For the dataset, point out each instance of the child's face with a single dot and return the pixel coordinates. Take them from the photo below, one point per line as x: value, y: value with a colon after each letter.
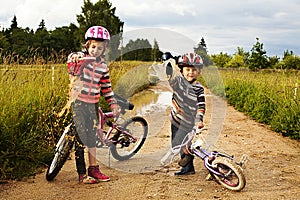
x: 190, y: 73
x: 96, y: 48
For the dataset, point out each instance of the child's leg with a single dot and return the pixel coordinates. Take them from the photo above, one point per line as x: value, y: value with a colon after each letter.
x: 92, y: 156
x: 94, y: 169
x: 79, y: 158
x: 80, y: 165
x: 178, y: 138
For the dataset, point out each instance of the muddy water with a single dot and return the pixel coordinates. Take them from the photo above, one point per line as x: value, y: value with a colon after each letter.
x: 152, y: 105
x: 150, y: 100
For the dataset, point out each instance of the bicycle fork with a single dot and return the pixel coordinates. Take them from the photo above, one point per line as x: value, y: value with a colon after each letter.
x: 67, y: 129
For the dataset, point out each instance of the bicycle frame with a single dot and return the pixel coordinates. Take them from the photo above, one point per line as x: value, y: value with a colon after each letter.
x: 124, y: 144
x: 104, y: 118
x: 207, y: 157
x: 199, y: 151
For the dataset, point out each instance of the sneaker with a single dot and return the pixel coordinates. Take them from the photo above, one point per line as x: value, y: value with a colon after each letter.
x: 186, y: 170
x: 94, y: 172
x: 83, y: 178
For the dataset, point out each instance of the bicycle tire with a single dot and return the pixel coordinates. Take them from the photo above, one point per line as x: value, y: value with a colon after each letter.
x: 136, y: 126
x: 234, y: 179
x: 61, y: 155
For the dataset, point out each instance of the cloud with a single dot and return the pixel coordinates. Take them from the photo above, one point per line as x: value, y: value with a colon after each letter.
x: 29, y: 13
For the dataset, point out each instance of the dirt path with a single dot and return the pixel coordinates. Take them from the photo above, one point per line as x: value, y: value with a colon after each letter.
x: 272, y: 172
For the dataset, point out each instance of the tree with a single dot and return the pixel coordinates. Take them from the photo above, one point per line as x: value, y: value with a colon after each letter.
x: 101, y: 13
x: 140, y: 49
x: 14, y: 24
x: 42, y: 25
x: 237, y: 61
x: 63, y: 38
x: 258, y: 59
x: 245, y: 55
x: 156, y: 54
x: 3, y: 41
x: 291, y: 62
x: 221, y: 59
x: 201, y: 50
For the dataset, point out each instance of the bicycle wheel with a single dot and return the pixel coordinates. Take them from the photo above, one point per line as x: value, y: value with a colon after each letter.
x: 62, y: 152
x: 232, y: 175
x: 125, y: 147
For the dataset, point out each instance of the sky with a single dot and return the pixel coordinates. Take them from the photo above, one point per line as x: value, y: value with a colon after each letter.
x: 179, y: 25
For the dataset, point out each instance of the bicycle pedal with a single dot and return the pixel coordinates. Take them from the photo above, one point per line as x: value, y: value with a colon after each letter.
x: 209, y: 177
x: 243, y: 160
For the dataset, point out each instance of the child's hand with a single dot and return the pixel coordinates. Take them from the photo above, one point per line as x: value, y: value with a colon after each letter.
x: 76, y: 57
x: 200, y: 125
x: 75, y: 63
x: 116, y: 110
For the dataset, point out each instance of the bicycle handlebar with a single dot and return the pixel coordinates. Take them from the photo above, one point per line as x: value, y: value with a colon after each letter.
x: 176, y: 149
x: 124, y: 103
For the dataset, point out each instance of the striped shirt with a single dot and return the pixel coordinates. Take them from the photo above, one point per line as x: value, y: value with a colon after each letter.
x: 188, y: 101
x: 93, y: 81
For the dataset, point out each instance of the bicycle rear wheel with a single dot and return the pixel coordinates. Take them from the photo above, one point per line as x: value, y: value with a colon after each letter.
x: 125, y: 148
x: 62, y: 152
x: 232, y: 175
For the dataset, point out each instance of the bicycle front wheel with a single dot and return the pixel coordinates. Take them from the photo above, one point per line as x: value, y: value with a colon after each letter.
x: 232, y: 175
x: 128, y: 145
x: 62, y: 152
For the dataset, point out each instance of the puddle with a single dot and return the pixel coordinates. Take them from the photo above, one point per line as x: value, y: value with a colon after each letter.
x: 150, y: 101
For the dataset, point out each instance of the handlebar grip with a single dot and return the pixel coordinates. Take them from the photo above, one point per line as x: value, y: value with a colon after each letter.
x: 124, y: 103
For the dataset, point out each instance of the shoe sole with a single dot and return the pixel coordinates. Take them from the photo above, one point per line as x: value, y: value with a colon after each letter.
x: 106, y: 180
x: 187, y: 173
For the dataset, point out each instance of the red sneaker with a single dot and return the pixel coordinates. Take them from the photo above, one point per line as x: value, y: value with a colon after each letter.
x: 94, y: 171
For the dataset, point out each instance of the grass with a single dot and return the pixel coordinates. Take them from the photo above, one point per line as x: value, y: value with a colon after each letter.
x: 270, y: 97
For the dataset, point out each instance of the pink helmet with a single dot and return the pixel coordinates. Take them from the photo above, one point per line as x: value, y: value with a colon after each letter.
x: 97, y: 33
x: 190, y: 60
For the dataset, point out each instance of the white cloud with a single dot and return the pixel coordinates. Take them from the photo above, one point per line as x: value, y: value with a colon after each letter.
x: 30, y: 13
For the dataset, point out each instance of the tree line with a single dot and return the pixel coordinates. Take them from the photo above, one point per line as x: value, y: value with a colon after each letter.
x: 26, y: 46
x: 256, y: 59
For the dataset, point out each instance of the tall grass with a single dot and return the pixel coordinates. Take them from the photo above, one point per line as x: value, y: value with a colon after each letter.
x: 27, y: 101
x: 30, y: 97
x: 269, y: 97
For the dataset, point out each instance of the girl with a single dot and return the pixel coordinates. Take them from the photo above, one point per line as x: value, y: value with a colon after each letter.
x: 90, y: 78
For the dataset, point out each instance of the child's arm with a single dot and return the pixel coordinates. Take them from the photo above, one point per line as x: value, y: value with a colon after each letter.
x: 107, y: 92
x: 74, y: 63
x: 201, y: 106
x: 172, y: 71
x: 171, y: 68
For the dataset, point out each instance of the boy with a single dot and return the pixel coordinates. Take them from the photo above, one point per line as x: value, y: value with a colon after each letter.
x: 188, y: 103
x: 90, y: 78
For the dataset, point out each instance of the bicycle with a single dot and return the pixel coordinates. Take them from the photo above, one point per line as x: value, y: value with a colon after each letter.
x: 221, y: 166
x: 124, y: 140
